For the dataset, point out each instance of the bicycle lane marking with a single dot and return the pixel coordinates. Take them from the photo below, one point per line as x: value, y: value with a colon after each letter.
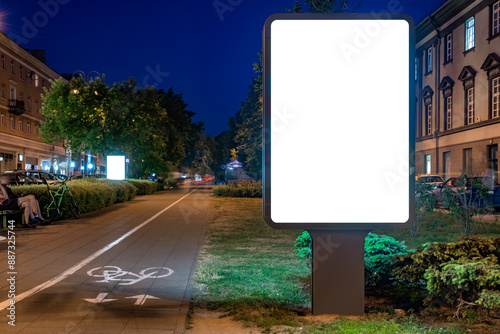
x: 84, y: 262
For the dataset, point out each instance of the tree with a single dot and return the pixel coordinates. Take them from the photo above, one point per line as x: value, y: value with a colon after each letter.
x: 425, y: 202
x: 149, y: 126
x: 468, y: 203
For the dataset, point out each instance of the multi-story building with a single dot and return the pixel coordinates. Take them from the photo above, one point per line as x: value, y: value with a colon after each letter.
x: 23, y: 75
x: 457, y: 73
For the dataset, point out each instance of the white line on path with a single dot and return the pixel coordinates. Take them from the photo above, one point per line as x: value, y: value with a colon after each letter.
x: 84, y: 262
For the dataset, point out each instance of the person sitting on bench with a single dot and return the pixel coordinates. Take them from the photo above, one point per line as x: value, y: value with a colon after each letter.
x: 9, y: 201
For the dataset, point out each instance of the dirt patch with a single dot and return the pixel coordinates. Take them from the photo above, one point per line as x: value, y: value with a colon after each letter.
x: 212, y: 322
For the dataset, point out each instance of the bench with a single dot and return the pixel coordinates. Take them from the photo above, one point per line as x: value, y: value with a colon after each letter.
x: 5, y: 213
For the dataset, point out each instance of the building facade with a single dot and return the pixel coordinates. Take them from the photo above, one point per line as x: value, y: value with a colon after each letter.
x: 23, y: 75
x: 457, y: 73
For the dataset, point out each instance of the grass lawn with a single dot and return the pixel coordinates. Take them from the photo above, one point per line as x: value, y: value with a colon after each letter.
x: 250, y: 271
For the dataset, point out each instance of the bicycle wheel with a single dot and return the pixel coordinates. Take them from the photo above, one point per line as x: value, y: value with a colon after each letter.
x: 75, y: 211
x: 48, y: 210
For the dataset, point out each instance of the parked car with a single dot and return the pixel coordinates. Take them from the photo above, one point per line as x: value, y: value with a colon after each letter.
x: 492, y: 198
x: 19, y: 178
x: 434, y: 180
x: 31, y: 176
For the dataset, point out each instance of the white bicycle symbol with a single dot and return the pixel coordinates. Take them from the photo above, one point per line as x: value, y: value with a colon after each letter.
x: 112, y: 273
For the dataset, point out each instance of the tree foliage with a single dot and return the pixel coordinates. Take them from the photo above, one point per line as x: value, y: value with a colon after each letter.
x: 152, y: 127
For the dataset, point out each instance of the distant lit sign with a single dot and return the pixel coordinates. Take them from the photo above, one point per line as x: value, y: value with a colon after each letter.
x: 115, y: 167
x: 339, y: 101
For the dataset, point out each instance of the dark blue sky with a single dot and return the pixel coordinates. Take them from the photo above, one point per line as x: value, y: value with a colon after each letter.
x: 207, y: 54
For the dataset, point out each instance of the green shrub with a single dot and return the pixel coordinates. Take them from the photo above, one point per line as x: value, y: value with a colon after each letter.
x: 465, y: 281
x: 250, y: 189
x: 144, y: 187
x: 379, y: 249
x: 412, y: 267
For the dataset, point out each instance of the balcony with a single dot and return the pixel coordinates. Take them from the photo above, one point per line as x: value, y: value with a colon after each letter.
x: 16, y: 107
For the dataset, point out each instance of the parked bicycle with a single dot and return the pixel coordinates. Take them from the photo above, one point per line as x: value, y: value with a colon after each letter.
x: 51, y: 206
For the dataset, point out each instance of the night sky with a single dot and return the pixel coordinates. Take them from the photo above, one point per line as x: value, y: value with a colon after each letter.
x: 204, y: 54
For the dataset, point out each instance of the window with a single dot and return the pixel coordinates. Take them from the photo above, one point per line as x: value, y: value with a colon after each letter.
x: 467, y: 163
x: 20, y: 124
x: 21, y: 71
x: 28, y: 126
x: 12, y: 67
x: 3, y: 91
x: 28, y: 76
x: 36, y: 105
x: 495, y: 97
x: 495, y: 19
x: 12, y: 93
x: 2, y: 118
x: 36, y: 80
x: 29, y: 102
x: 470, y: 105
x: 429, y: 60
x: 21, y: 96
x: 469, y: 34
x: 2, y: 60
x: 449, y: 47
x: 448, y: 107
x: 427, y: 164
x: 428, y: 123
x: 43, y: 82
x: 12, y: 123
x: 36, y: 130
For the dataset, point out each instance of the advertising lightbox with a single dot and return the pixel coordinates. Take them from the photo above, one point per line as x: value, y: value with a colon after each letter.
x: 115, y: 167
x: 339, y: 123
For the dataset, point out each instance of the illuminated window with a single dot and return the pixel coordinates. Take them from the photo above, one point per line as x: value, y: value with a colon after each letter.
x: 469, y: 34
x: 416, y: 69
x: 470, y: 105
x: 495, y: 19
x: 427, y: 165
x: 428, y: 123
x: 449, y: 106
x: 429, y: 60
x: 495, y: 97
x: 36, y: 80
x: 449, y: 47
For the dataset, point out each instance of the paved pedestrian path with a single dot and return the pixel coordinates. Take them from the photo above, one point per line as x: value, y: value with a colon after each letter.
x: 123, y: 269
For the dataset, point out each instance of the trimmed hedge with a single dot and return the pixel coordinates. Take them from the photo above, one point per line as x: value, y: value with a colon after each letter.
x: 241, y: 189
x: 93, y: 194
x: 144, y: 187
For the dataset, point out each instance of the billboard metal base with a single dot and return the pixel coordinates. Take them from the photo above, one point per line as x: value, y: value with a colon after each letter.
x: 338, y: 272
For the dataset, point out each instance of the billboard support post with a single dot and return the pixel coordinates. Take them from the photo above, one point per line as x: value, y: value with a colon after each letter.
x: 338, y: 274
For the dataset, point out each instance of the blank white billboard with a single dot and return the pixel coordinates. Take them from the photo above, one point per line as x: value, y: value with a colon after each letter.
x: 115, y: 167
x: 338, y: 133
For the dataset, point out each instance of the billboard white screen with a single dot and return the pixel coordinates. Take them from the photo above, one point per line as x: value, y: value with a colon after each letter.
x: 338, y: 98
x: 115, y: 166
